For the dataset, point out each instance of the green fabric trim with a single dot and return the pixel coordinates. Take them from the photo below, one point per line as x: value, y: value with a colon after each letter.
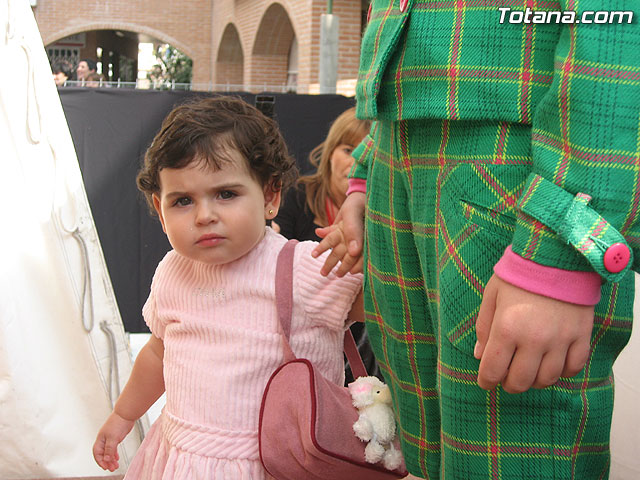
x: 574, y: 221
x: 361, y: 154
x: 378, y: 44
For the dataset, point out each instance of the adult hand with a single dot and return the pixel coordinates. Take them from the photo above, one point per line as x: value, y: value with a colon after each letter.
x: 105, y: 448
x: 527, y: 340
x: 344, y: 238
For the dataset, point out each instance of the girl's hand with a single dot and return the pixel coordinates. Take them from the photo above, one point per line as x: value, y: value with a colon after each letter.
x: 105, y: 448
x: 527, y: 340
x: 344, y: 238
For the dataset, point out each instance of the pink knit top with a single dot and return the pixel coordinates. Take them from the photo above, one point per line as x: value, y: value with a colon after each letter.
x: 221, y: 342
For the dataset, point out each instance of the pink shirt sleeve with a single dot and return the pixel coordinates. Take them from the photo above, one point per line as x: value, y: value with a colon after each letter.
x: 327, y: 300
x: 161, y: 279
x: 582, y: 288
x: 357, y: 185
x: 149, y: 313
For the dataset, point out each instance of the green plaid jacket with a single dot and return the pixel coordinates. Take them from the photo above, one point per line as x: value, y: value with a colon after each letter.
x: 577, y: 85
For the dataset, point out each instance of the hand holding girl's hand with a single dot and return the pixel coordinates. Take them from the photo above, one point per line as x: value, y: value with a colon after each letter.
x: 527, y: 340
x: 105, y: 448
x: 344, y: 238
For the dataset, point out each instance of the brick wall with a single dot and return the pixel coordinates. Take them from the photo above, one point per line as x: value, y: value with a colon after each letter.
x: 229, y: 41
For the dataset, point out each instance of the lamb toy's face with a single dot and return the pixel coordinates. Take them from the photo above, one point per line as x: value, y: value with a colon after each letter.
x: 381, y: 395
x: 368, y: 391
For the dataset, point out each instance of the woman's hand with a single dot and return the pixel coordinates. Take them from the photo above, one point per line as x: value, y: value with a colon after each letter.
x: 527, y: 340
x: 344, y: 238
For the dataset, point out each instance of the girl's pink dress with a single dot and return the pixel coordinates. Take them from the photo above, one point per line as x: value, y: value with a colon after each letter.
x: 221, y: 345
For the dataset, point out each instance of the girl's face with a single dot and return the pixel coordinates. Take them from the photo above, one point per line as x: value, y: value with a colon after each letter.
x: 214, y: 216
x: 341, y: 162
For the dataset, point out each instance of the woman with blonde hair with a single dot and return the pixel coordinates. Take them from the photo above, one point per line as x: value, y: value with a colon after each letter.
x: 317, y: 197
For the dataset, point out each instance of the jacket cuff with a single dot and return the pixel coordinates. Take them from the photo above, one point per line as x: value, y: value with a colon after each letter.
x: 581, y: 288
x: 357, y: 185
x: 559, y: 229
x: 362, y: 154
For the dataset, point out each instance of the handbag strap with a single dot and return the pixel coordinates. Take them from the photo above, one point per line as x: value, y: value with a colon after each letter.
x: 284, y: 306
x: 284, y: 295
x: 353, y: 355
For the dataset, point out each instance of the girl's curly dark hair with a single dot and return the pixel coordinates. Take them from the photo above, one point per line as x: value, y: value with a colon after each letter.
x: 204, y: 130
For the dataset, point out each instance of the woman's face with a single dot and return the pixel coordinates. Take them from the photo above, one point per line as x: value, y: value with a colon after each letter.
x: 341, y: 162
x: 82, y: 70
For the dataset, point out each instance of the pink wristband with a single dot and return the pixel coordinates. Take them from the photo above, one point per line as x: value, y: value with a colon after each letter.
x: 357, y: 185
x: 581, y: 288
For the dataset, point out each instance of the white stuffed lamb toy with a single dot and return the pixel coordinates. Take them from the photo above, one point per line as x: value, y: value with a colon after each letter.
x: 376, y: 423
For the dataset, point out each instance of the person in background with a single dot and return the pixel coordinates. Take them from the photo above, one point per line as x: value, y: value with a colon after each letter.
x: 85, y: 67
x: 62, y: 71
x: 94, y: 80
x: 316, y: 199
x: 214, y: 174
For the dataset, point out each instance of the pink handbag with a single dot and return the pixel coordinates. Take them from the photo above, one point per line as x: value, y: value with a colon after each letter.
x: 306, y: 422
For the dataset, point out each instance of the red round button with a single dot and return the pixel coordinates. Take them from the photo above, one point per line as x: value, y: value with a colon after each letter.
x: 616, y: 258
x: 403, y: 5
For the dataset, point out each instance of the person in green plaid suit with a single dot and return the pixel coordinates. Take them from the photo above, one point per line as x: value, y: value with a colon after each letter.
x: 501, y: 230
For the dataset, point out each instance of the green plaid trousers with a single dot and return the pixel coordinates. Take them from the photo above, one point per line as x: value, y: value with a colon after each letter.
x: 437, y: 221
x: 486, y: 135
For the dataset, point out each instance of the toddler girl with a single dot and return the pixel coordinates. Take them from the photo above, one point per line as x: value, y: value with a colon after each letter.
x: 214, y: 174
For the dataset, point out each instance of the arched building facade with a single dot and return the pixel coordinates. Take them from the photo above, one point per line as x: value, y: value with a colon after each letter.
x: 234, y: 44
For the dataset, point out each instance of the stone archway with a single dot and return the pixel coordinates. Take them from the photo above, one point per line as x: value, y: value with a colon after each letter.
x: 230, y: 60
x: 271, y: 48
x: 142, y: 29
x: 191, y: 34
x: 266, y: 29
x: 116, y: 51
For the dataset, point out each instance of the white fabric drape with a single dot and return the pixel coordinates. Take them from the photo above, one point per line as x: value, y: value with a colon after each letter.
x: 625, y: 432
x: 63, y: 351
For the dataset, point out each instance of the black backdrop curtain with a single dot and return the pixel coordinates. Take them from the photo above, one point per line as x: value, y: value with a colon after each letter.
x: 111, y: 130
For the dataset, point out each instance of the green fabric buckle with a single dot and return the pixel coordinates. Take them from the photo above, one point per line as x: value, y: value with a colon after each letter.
x: 575, y: 222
